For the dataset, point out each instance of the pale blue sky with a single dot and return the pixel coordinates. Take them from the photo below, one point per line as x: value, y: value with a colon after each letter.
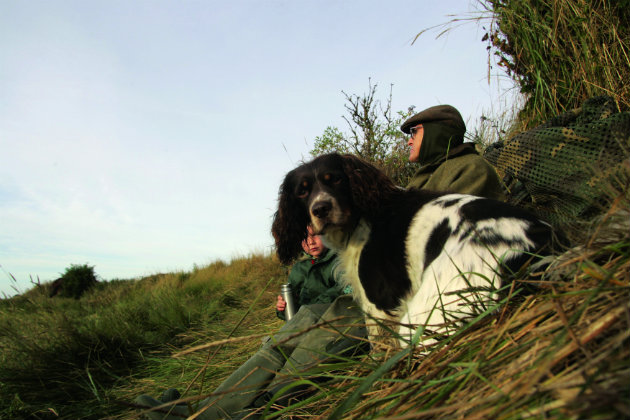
x: 148, y: 136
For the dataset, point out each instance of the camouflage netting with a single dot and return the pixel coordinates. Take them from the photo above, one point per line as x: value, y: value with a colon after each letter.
x: 562, y: 169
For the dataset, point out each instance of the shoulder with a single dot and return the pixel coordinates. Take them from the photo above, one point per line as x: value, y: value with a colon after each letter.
x: 467, y: 164
x: 471, y: 174
x: 299, y: 269
x: 329, y: 256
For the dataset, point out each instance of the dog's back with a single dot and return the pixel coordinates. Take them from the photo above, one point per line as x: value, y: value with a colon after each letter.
x: 459, y: 250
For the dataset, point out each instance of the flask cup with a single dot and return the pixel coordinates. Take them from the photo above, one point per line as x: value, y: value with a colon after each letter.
x: 287, y: 295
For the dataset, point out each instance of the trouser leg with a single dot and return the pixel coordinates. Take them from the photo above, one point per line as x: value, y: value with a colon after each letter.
x: 246, y: 383
x: 343, y: 333
x: 342, y: 329
x: 251, y: 379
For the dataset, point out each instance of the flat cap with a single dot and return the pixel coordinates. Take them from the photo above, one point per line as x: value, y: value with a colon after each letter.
x: 443, y: 114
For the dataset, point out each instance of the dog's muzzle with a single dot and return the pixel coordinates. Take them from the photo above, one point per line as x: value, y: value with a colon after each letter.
x: 321, y: 209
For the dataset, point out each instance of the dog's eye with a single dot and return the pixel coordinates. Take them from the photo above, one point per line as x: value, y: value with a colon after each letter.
x: 331, y: 178
x: 303, y: 190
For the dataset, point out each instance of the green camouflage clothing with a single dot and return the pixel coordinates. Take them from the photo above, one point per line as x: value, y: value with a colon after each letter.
x: 563, y: 169
x: 314, y: 280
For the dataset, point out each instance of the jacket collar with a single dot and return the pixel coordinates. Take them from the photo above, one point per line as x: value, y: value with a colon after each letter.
x: 457, y: 151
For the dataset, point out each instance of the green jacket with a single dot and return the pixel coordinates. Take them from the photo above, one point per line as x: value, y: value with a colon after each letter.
x: 461, y: 171
x: 315, y: 281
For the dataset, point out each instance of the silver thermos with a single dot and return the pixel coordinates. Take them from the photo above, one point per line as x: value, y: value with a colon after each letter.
x: 287, y: 295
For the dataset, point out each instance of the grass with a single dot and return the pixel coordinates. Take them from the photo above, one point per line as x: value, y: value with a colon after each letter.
x: 558, y: 52
x: 568, y: 51
x: 86, y: 358
x: 560, y: 352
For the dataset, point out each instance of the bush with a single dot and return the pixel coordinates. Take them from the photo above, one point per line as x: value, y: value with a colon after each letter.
x: 374, y: 135
x: 76, y: 280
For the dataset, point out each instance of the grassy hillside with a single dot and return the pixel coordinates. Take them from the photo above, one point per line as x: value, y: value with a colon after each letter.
x: 88, y: 358
x: 560, y: 349
x: 561, y: 352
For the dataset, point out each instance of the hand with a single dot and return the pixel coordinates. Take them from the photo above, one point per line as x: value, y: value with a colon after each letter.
x: 280, y: 304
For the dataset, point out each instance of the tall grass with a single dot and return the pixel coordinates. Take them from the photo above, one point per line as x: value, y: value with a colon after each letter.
x: 557, y: 347
x: 561, y: 352
x: 69, y: 358
x: 561, y: 52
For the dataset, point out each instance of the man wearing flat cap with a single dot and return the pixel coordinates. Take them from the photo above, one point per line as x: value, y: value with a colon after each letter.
x: 446, y: 162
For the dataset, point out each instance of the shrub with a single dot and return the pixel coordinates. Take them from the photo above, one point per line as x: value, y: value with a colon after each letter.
x: 374, y: 135
x: 76, y: 280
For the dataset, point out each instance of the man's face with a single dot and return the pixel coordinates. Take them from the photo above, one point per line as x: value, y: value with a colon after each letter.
x: 415, y: 141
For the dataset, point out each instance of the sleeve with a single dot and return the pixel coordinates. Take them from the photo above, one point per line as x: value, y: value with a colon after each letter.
x: 338, y: 275
x: 280, y: 315
x: 332, y: 293
x: 332, y: 277
x: 296, y: 278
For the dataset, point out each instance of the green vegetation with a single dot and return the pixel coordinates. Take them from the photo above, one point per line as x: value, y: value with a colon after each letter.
x: 561, y: 52
x: 560, y: 352
x: 557, y: 350
x: 374, y: 135
x: 76, y: 280
x: 88, y: 358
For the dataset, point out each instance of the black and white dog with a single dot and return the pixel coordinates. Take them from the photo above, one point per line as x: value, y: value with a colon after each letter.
x: 416, y: 257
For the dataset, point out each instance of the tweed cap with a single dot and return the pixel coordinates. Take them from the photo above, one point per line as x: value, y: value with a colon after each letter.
x: 443, y: 114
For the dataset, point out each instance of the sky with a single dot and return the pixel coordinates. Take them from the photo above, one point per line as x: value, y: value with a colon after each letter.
x: 142, y: 137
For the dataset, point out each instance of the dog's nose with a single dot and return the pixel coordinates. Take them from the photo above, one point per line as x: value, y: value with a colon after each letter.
x: 321, y: 209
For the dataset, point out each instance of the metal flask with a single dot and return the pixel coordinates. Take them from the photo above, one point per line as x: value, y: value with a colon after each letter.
x: 287, y: 295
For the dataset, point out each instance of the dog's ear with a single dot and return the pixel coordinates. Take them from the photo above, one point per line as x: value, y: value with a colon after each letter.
x: 289, y: 227
x: 369, y: 185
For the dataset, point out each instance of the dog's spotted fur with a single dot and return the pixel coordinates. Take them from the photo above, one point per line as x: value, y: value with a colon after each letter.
x: 417, y: 257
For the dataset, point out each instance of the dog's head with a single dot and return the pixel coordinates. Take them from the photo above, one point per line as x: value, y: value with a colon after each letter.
x: 330, y: 193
